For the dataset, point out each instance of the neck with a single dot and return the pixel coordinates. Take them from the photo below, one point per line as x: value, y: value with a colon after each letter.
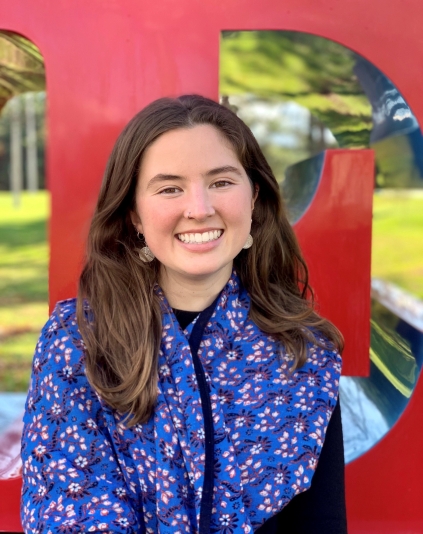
x: 192, y: 293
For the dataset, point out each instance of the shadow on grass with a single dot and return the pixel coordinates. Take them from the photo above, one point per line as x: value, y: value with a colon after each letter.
x: 20, y: 291
x: 19, y: 234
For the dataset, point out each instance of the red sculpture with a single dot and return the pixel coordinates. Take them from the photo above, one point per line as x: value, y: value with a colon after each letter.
x: 105, y: 61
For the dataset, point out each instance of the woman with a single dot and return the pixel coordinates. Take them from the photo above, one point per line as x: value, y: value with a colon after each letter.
x: 190, y: 385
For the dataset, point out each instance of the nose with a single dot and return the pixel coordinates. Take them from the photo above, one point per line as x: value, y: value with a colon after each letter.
x: 199, y: 205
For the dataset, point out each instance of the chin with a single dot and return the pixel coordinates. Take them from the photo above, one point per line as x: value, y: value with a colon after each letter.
x: 202, y: 271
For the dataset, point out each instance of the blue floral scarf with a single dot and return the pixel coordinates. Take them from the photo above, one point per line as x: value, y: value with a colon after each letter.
x: 269, y: 426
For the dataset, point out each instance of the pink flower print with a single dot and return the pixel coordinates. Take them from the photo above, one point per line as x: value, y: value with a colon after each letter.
x: 313, y: 378
x: 67, y: 373
x: 317, y: 435
x: 90, y: 426
x: 122, y: 522
x: 281, y: 398
x: 302, y: 480
x: 168, y: 450
x: 67, y: 526
x: 259, y: 374
x: 312, y: 463
x: 244, y: 418
x: 269, y: 498
x: 234, y: 354
x: 57, y: 414
x: 282, y: 475
x: 227, y: 523
x: 262, y: 444
x: 219, y: 343
x: 288, y: 447
x: 81, y: 461
x: 75, y: 490
x: 198, y: 437
x: 41, y: 493
x: 164, y: 372
x: 257, y: 448
x: 301, y: 424
x: 39, y: 452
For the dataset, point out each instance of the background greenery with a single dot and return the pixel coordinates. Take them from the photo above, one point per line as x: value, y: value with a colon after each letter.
x: 39, y: 104
x: 397, y: 250
x: 23, y: 284
x: 260, y: 70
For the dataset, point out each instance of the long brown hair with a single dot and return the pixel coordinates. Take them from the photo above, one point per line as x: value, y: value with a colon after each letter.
x: 122, y: 328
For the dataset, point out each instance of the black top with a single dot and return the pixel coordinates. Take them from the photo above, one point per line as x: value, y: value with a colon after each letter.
x: 185, y: 317
x: 320, y: 509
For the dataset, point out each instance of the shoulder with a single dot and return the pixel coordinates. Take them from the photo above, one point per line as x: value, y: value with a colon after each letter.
x: 323, y: 353
x: 63, y: 319
x: 65, y: 313
x: 322, y: 368
x: 60, y: 337
x: 58, y: 369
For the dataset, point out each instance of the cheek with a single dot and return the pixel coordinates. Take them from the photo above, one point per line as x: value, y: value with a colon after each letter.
x: 157, y: 220
x: 238, y: 211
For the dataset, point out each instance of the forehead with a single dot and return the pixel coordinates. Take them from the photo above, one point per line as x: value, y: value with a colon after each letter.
x: 194, y: 149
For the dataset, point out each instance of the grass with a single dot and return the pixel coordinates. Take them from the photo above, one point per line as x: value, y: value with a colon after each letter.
x: 397, y: 256
x: 23, y: 284
x: 397, y: 251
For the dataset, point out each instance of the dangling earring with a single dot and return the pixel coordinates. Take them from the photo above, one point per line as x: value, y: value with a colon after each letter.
x: 145, y: 253
x: 249, y: 241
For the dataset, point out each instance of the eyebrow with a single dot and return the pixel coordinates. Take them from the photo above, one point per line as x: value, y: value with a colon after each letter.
x: 225, y: 168
x: 163, y: 178
x: 174, y: 177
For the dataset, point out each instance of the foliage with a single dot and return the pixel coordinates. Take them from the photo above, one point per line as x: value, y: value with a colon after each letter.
x: 397, y: 250
x: 23, y: 284
x: 290, y: 66
x: 39, y: 104
x: 21, y: 67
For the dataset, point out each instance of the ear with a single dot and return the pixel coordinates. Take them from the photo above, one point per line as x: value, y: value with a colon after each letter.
x: 255, y: 195
x: 136, y: 221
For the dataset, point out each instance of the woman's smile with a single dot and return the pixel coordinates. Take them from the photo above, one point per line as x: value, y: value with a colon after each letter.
x: 200, y: 236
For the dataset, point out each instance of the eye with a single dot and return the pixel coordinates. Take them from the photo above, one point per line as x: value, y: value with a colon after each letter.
x: 221, y: 183
x: 169, y: 191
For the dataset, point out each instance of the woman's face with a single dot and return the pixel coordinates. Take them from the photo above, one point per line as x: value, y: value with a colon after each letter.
x: 194, y: 202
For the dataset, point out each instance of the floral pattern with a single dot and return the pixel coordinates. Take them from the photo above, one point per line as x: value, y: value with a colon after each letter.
x: 84, y: 471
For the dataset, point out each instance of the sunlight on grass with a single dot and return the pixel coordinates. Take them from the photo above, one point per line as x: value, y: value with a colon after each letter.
x: 23, y: 284
x: 397, y: 251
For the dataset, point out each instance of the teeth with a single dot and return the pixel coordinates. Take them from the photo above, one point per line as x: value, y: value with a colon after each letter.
x: 205, y: 237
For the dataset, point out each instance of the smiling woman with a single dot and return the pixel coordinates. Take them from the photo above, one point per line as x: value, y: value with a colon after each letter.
x: 193, y: 204
x: 195, y: 387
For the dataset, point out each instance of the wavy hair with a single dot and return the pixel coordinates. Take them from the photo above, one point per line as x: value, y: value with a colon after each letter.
x: 122, y: 330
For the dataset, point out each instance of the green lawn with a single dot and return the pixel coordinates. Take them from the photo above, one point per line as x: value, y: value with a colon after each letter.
x: 397, y: 256
x: 23, y: 284
x: 397, y: 251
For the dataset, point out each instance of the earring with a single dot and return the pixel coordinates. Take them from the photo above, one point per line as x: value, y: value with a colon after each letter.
x: 249, y: 241
x: 146, y: 255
